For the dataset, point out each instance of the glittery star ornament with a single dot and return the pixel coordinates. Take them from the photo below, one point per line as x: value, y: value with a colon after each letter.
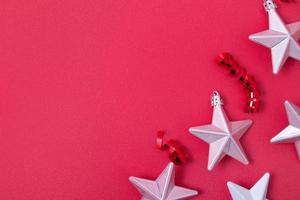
x: 257, y: 192
x: 222, y: 135
x: 280, y: 38
x: 291, y: 134
x: 163, y: 188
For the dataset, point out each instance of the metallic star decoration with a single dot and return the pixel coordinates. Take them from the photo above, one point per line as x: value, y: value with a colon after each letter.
x: 257, y: 192
x: 280, y: 38
x: 222, y: 135
x: 163, y: 188
x: 291, y: 134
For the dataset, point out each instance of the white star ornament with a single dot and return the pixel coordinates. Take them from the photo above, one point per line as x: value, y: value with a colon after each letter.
x: 291, y: 134
x: 222, y: 135
x: 257, y: 192
x: 163, y: 188
x: 280, y: 38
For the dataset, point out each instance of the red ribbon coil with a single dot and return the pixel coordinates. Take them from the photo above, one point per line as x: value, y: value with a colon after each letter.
x: 176, y: 152
x: 247, y: 81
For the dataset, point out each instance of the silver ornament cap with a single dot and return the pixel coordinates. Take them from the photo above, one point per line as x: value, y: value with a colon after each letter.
x: 269, y: 5
x: 216, y: 99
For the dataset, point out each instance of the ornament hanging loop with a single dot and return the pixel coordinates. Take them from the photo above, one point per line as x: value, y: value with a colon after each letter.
x: 269, y: 5
x: 216, y: 99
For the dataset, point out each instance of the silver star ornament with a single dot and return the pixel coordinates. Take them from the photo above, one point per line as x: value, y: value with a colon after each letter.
x: 257, y: 192
x: 163, y: 188
x: 222, y: 135
x: 291, y: 134
x: 280, y: 38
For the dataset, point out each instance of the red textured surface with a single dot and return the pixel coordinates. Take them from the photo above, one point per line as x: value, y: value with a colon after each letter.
x: 85, y: 85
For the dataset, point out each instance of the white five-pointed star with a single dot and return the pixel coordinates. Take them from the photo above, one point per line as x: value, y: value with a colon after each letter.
x: 257, y: 192
x: 291, y: 134
x: 222, y: 135
x: 280, y: 38
x: 163, y: 188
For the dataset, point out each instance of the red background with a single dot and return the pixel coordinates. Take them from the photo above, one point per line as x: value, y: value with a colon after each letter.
x: 85, y: 85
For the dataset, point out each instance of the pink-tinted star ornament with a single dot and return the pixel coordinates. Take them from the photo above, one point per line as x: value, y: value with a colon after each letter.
x: 280, y: 38
x: 257, y: 192
x: 222, y: 135
x: 163, y: 188
x: 291, y: 134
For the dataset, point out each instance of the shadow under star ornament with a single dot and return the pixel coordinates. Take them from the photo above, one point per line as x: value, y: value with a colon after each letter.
x: 163, y: 188
x: 257, y: 192
x: 222, y: 135
x: 280, y: 38
x: 291, y: 134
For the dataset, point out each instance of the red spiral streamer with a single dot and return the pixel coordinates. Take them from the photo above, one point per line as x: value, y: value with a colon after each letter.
x: 226, y: 60
x: 176, y: 152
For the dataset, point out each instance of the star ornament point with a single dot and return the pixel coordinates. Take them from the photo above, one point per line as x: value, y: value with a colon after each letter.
x: 163, y: 188
x: 223, y: 137
x: 291, y: 134
x: 282, y: 39
x: 257, y: 192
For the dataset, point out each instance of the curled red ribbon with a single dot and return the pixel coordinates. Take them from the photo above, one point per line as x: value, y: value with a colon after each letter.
x: 176, y: 152
x: 247, y: 81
